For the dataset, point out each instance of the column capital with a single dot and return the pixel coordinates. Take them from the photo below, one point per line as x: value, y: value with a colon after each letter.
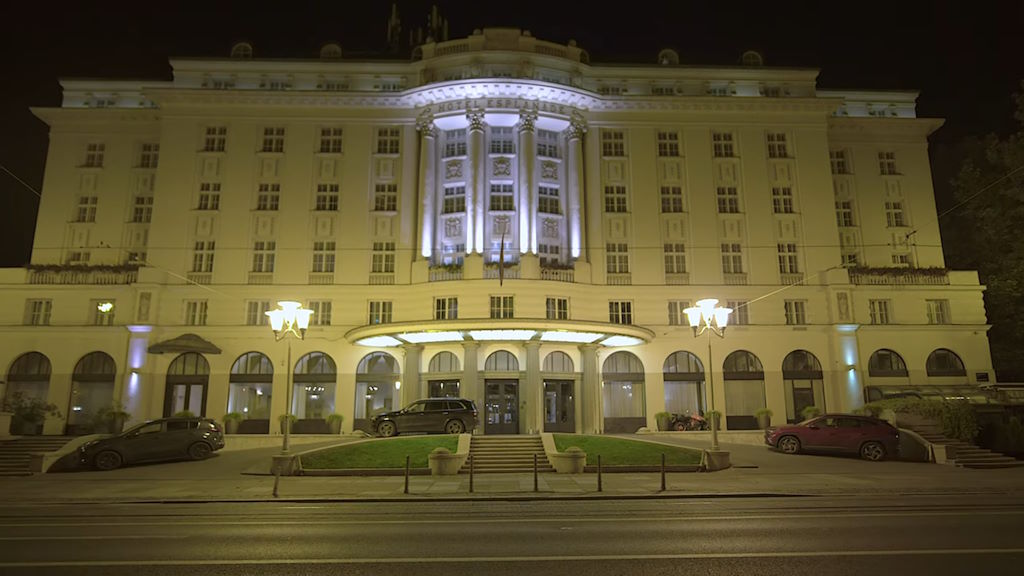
x: 577, y: 126
x: 531, y: 344
x: 527, y: 120
x: 476, y: 120
x: 470, y: 345
x: 413, y: 347
x: 425, y: 124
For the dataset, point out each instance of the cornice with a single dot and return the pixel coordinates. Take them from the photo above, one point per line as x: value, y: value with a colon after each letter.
x: 869, y: 128
x: 95, y: 116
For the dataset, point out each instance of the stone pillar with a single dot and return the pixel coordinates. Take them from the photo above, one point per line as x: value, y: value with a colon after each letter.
x: 428, y: 186
x: 469, y: 387
x: 477, y: 177
x: 844, y: 386
x: 411, y: 374
x: 590, y: 391
x: 574, y: 177
x: 534, y: 390
x: 526, y: 154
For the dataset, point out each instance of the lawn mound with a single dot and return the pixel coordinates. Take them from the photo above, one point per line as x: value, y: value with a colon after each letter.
x: 379, y: 453
x: 625, y: 452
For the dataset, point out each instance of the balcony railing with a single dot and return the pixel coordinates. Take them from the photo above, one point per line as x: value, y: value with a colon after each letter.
x: 200, y: 277
x: 677, y: 278
x: 261, y: 277
x: 898, y: 277
x: 444, y: 274
x: 620, y: 279
x: 790, y: 279
x: 82, y: 275
x: 321, y: 278
x: 510, y: 272
x: 558, y: 274
x: 382, y: 279
x: 739, y: 279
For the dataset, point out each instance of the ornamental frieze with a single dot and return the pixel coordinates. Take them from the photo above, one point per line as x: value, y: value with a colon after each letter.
x: 453, y: 169
x: 502, y: 167
x: 549, y: 170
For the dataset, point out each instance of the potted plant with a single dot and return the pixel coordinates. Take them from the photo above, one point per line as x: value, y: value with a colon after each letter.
x: 663, y: 419
x: 334, y: 423
x: 715, y: 417
x: 286, y: 420
x: 28, y: 412
x: 764, y: 418
x: 810, y: 412
x: 231, y: 420
x: 111, y: 419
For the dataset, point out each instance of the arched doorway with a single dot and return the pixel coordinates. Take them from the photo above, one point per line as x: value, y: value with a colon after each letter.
x: 313, y: 385
x: 558, y: 373
x: 188, y: 380
x: 744, y: 390
x: 29, y: 379
x: 501, y: 393
x: 376, y: 375
x: 443, y: 374
x: 684, y: 383
x: 92, y: 390
x: 885, y: 363
x: 250, y: 389
x: 804, y: 384
x: 623, y: 383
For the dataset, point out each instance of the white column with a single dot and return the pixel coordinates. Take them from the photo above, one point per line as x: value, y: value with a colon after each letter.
x: 575, y: 182
x: 428, y: 187
x: 527, y: 157
x: 590, y: 391
x: 477, y: 177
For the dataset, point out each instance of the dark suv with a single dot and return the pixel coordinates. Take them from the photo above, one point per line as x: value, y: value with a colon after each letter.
x: 441, y: 415
x: 164, y: 439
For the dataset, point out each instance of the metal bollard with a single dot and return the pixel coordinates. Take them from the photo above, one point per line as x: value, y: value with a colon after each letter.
x: 598, y: 472
x: 535, y: 473
x: 471, y: 473
x: 407, y: 474
x: 277, y: 478
x: 663, y: 472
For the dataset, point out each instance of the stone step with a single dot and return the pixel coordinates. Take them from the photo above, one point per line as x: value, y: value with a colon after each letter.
x: 981, y: 458
x: 991, y: 465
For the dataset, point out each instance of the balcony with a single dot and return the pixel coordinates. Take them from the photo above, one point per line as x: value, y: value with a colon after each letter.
x: 382, y: 279
x: 734, y: 279
x: 491, y: 272
x: 899, y: 276
x: 558, y: 274
x: 261, y: 277
x: 445, y: 273
x: 791, y: 279
x: 321, y: 278
x: 620, y: 279
x: 83, y: 275
x: 199, y: 277
x: 677, y: 278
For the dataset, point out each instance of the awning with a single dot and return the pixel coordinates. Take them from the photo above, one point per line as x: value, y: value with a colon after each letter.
x: 184, y: 343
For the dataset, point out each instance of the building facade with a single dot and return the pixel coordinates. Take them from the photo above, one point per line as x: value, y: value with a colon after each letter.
x: 496, y: 218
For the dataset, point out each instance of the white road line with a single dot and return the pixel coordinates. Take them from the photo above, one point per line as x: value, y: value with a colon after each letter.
x: 92, y: 537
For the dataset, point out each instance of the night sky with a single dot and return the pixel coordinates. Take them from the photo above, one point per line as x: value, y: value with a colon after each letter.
x: 964, y: 57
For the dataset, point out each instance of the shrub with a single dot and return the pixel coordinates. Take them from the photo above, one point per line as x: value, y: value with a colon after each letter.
x: 233, y: 417
x: 573, y: 450
x: 957, y: 418
x: 331, y: 418
x: 763, y: 412
x: 810, y: 412
x: 184, y: 414
x: 440, y: 450
x: 289, y: 417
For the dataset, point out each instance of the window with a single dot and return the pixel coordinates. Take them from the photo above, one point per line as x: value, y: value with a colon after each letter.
x: 894, y: 215
x: 668, y: 144
x: 676, y: 314
x: 142, y: 210
x: 663, y: 90
x: 94, y: 154
x: 331, y: 140
x: 454, y: 200
x: 740, y: 312
x: 255, y: 313
x: 887, y: 163
x: 550, y: 254
x: 728, y: 200
x: 840, y: 161
x: 452, y: 254
x: 502, y: 306
x: 78, y: 258
x: 613, y: 143
x: 777, y: 145
x: 388, y: 140
x: 323, y: 256
x: 321, y: 312
x: 455, y: 143
x: 86, y: 209
x: 273, y: 140
x: 547, y: 200
x: 788, y: 259
x: 557, y: 309
x: 547, y: 143
x: 620, y: 312
x: 98, y: 317
x: 722, y: 145
x: 202, y: 256
x: 209, y: 196
x: 617, y: 258
x: 501, y: 140
x: 902, y: 259
x: 675, y: 258
x: 326, y: 198
x: 879, y: 311
x: 844, y: 213
x: 850, y: 259
x: 263, y: 256
x: 610, y: 90
x: 149, y: 155
x: 216, y: 138
x: 732, y: 259
x: 615, y: 199
x: 380, y: 312
x: 385, y: 198
x: 383, y: 258
x: 135, y: 257
x: 446, y: 308
x: 782, y: 200
x: 795, y: 314
x: 195, y: 312
x: 502, y: 198
x: 671, y: 199
x: 37, y: 312
x: 268, y: 197
x: 938, y: 312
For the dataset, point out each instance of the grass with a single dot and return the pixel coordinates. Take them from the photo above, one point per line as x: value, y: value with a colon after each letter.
x: 622, y: 452
x: 380, y: 453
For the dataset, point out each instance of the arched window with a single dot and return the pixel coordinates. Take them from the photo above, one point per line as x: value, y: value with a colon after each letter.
x: 752, y: 58
x: 92, y: 390
x: 559, y: 393
x: 684, y: 383
x: 187, y: 384
x: 668, y: 57
x: 623, y: 397
x: 742, y: 365
x: 803, y: 382
x: 944, y: 362
x: 444, y: 362
x: 623, y: 363
x: 501, y: 361
x: 744, y: 389
x: 438, y: 385
x: 250, y: 390
x: 313, y: 389
x: 330, y: 51
x: 242, y: 50
x: 886, y: 363
x: 558, y: 361
x: 376, y: 376
x: 29, y: 378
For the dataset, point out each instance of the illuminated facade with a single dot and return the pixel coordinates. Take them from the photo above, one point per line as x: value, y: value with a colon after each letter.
x: 497, y: 218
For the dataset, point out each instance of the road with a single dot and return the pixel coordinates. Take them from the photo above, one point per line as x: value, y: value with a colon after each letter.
x: 794, y: 535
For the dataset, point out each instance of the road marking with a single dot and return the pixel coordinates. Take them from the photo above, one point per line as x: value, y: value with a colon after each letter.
x: 559, y: 558
x: 121, y: 537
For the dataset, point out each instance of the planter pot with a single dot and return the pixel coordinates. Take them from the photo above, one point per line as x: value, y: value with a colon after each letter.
x: 283, y: 424
x: 335, y: 426
x: 445, y: 464
x: 568, y: 462
x: 116, y: 424
x: 24, y: 427
x: 764, y: 421
x: 231, y: 426
x: 662, y: 422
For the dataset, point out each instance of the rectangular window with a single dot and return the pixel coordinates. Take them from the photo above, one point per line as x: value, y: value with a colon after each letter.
x: 202, y: 256
x: 613, y: 143
x: 388, y: 140
x: 268, y: 197
x: 455, y: 143
x: 216, y: 139
x: 502, y: 198
x: 453, y: 254
x: 385, y: 198
x: 740, y: 312
x: 321, y: 312
x: 263, y: 256
x: 732, y: 259
x: 894, y: 215
x: 671, y: 199
x: 37, y: 312
x: 142, y: 209
x: 98, y: 317
x: 782, y: 200
x: 938, y: 312
x: 902, y: 259
x: 383, y: 258
x: 326, y: 198
x: 502, y: 307
x: 840, y: 161
x: 273, y: 140
x: 795, y: 312
x: 502, y: 141
x: 331, y: 140
x: 454, y: 200
x: 615, y: 199
x: 844, y: 213
x: 777, y: 147
x: 850, y: 259
x: 86, y: 209
x: 620, y: 312
x: 78, y: 258
x: 149, y: 155
x: 135, y: 257
x: 323, y: 256
x: 380, y: 312
x: 887, y: 163
x: 446, y: 308
x: 557, y: 308
x: 209, y: 196
x: 676, y: 314
x: 722, y: 145
x: 617, y: 258
x: 547, y: 144
x: 728, y: 200
x: 548, y: 201
x: 675, y: 258
x: 94, y: 152
x: 195, y: 312
x: 788, y: 259
x: 550, y: 254
x: 255, y: 313
x: 668, y: 144
x: 879, y: 311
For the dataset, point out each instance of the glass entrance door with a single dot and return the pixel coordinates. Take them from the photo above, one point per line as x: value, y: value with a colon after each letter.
x: 559, y: 409
x: 501, y: 407
x: 182, y: 397
x: 444, y: 388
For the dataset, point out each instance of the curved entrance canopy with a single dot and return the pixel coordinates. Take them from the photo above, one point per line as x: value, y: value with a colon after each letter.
x: 610, y: 335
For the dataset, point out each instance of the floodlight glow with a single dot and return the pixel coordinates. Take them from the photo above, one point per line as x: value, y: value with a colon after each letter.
x: 105, y: 306
x: 576, y: 337
x: 428, y: 337
x: 381, y: 341
x: 621, y: 341
x: 502, y: 334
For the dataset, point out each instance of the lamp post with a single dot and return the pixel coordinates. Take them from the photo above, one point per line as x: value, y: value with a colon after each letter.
x: 708, y: 317
x: 290, y: 317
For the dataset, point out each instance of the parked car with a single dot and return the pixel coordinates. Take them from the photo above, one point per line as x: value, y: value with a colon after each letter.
x: 439, y: 415
x: 164, y: 439
x: 871, y: 438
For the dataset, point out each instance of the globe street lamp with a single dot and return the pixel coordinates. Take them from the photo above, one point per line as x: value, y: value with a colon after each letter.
x: 291, y: 318
x: 708, y: 317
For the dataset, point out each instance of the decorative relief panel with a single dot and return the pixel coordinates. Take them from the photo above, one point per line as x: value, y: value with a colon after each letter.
x: 453, y: 169
x: 671, y: 170
x: 893, y: 190
x: 137, y: 237
x: 614, y: 170
x: 384, y: 168
x: 204, y: 226
x: 550, y: 228
x: 841, y: 187
x: 732, y: 229
x: 145, y: 183
x: 549, y: 170
x: 781, y: 170
x: 269, y: 167
x: 617, y: 229
x: 264, y: 225
x: 87, y: 182
x: 328, y: 168
x: 502, y: 167
x: 849, y: 239
x: 453, y: 227
x: 843, y: 306
x: 501, y: 226
x: 79, y: 237
x: 899, y: 240
x: 786, y: 229
x: 142, y: 311
x: 211, y: 167
x: 725, y: 171
x: 323, y: 226
x: 674, y: 228
x: 383, y: 226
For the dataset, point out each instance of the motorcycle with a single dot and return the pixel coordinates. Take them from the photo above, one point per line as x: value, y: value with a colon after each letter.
x: 688, y: 422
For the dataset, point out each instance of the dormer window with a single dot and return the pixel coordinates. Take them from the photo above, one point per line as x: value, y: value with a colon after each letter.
x: 242, y: 51
x: 752, y: 58
x: 331, y: 51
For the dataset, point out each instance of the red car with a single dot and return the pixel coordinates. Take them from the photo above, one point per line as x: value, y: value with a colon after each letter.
x: 871, y: 438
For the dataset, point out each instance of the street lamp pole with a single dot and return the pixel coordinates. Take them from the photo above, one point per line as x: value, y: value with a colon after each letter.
x: 708, y: 317
x: 289, y: 317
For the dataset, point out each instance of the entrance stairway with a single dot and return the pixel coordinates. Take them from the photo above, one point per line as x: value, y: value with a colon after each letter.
x: 15, y: 454
x: 963, y: 454
x: 493, y: 454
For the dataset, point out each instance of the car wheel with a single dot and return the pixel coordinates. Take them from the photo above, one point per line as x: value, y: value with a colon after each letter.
x: 387, y: 429
x: 107, y: 460
x: 789, y: 444
x: 454, y: 427
x: 873, y: 451
x: 679, y: 426
x: 199, y: 451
